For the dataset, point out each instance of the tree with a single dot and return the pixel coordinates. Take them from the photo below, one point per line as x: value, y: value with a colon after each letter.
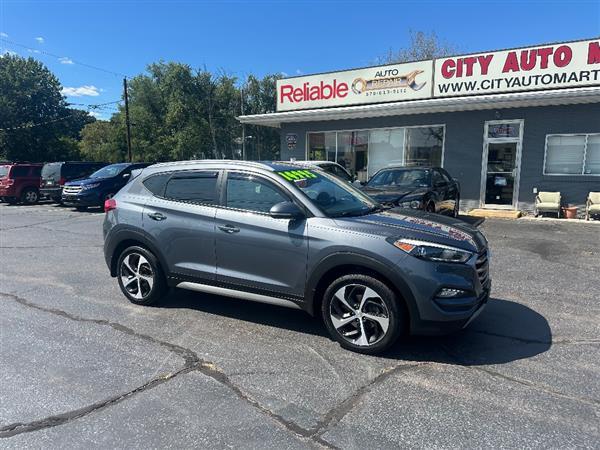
x: 422, y: 46
x: 104, y: 141
x: 260, y: 97
x: 35, y: 122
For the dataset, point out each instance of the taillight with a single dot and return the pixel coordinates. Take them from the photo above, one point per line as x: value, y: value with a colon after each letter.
x: 110, y: 204
x: 62, y: 181
x: 9, y: 182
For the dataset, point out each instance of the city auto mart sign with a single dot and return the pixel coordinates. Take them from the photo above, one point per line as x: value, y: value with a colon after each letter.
x: 388, y: 83
x: 552, y: 66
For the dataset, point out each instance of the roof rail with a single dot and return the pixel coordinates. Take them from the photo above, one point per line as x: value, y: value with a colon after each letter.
x: 212, y: 161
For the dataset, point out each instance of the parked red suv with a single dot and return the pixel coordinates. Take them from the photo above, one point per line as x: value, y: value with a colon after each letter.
x: 20, y: 182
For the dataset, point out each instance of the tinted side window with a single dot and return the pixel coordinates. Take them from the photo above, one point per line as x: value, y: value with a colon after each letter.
x: 252, y: 194
x: 195, y: 187
x: 36, y: 171
x: 156, y: 183
x: 19, y: 171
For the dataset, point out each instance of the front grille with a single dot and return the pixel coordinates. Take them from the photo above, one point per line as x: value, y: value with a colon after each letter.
x: 482, y: 265
x: 71, y: 190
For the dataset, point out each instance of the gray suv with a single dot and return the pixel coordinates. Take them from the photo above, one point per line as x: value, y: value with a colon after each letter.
x: 283, y: 234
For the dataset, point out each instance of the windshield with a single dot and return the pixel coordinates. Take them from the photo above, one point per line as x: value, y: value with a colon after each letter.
x: 4, y: 171
x: 51, y: 170
x: 332, y: 195
x: 109, y: 171
x: 405, y: 178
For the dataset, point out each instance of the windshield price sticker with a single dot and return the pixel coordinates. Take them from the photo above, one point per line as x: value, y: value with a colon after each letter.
x: 297, y: 175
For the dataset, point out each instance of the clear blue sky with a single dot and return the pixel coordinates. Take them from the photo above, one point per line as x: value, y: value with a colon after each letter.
x: 242, y: 37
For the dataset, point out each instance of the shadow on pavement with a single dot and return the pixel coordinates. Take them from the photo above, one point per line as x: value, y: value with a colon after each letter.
x: 505, y: 331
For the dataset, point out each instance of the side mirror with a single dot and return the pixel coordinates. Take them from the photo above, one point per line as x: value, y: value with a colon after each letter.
x: 126, y: 175
x: 286, y: 210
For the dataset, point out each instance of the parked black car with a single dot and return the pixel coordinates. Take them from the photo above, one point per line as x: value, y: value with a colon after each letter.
x: 56, y: 174
x: 428, y: 188
x: 100, y: 186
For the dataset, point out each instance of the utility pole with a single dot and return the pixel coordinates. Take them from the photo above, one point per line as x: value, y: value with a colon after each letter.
x: 243, y: 128
x: 127, y: 124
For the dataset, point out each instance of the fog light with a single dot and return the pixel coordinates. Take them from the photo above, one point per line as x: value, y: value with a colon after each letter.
x: 449, y: 293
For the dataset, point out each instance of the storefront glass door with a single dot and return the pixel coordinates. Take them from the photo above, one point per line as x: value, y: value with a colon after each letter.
x: 501, y: 164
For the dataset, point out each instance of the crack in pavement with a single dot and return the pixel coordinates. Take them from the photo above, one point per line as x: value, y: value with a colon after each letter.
x: 192, y: 363
x: 335, y: 415
x: 521, y: 381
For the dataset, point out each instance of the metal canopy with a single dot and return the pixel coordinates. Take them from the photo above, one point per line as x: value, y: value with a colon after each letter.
x: 496, y: 101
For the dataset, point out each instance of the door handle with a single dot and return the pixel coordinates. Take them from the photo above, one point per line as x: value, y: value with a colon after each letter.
x: 157, y: 216
x: 229, y: 229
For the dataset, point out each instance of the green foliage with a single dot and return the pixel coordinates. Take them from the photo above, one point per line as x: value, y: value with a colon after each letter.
x: 179, y: 113
x: 176, y: 113
x: 29, y: 96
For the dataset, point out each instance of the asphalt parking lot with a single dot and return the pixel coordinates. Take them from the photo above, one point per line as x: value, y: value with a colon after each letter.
x: 82, y: 367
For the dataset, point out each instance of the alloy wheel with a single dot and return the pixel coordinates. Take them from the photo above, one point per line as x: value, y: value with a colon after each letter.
x: 31, y: 197
x: 137, y: 275
x: 359, y: 315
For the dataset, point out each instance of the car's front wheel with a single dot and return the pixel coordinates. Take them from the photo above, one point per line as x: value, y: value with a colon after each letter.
x: 362, y: 313
x: 140, y: 277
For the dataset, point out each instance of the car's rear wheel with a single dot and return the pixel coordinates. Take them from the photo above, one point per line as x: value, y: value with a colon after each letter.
x: 30, y: 196
x: 362, y: 313
x: 140, y: 277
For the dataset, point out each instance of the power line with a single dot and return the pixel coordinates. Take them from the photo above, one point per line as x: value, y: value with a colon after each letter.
x: 43, y: 52
x: 32, y: 125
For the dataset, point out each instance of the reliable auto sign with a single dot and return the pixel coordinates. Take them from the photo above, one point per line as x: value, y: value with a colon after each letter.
x: 555, y: 66
x: 572, y: 64
x: 354, y: 87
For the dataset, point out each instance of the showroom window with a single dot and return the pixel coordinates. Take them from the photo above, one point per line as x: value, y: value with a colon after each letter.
x: 364, y: 152
x: 572, y: 154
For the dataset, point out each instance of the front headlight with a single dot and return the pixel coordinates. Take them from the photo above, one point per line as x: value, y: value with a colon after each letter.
x: 414, y: 204
x: 432, y: 251
x: 85, y: 187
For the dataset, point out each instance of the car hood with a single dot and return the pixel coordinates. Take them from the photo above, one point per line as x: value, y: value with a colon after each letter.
x: 390, y: 194
x: 85, y: 181
x: 419, y: 225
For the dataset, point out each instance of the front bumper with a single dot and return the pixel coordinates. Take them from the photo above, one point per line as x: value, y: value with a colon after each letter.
x: 435, y: 315
x: 83, y: 199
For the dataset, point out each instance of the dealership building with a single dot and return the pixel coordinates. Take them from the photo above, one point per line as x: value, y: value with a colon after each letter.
x: 506, y: 124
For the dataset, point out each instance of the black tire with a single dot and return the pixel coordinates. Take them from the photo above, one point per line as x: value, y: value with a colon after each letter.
x: 396, y: 314
x: 10, y: 200
x: 30, y: 196
x: 158, y: 288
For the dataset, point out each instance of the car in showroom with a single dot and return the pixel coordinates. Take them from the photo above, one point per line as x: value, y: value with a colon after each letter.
x: 56, y: 174
x: 431, y: 189
x: 301, y: 238
x: 20, y: 182
x: 99, y: 186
